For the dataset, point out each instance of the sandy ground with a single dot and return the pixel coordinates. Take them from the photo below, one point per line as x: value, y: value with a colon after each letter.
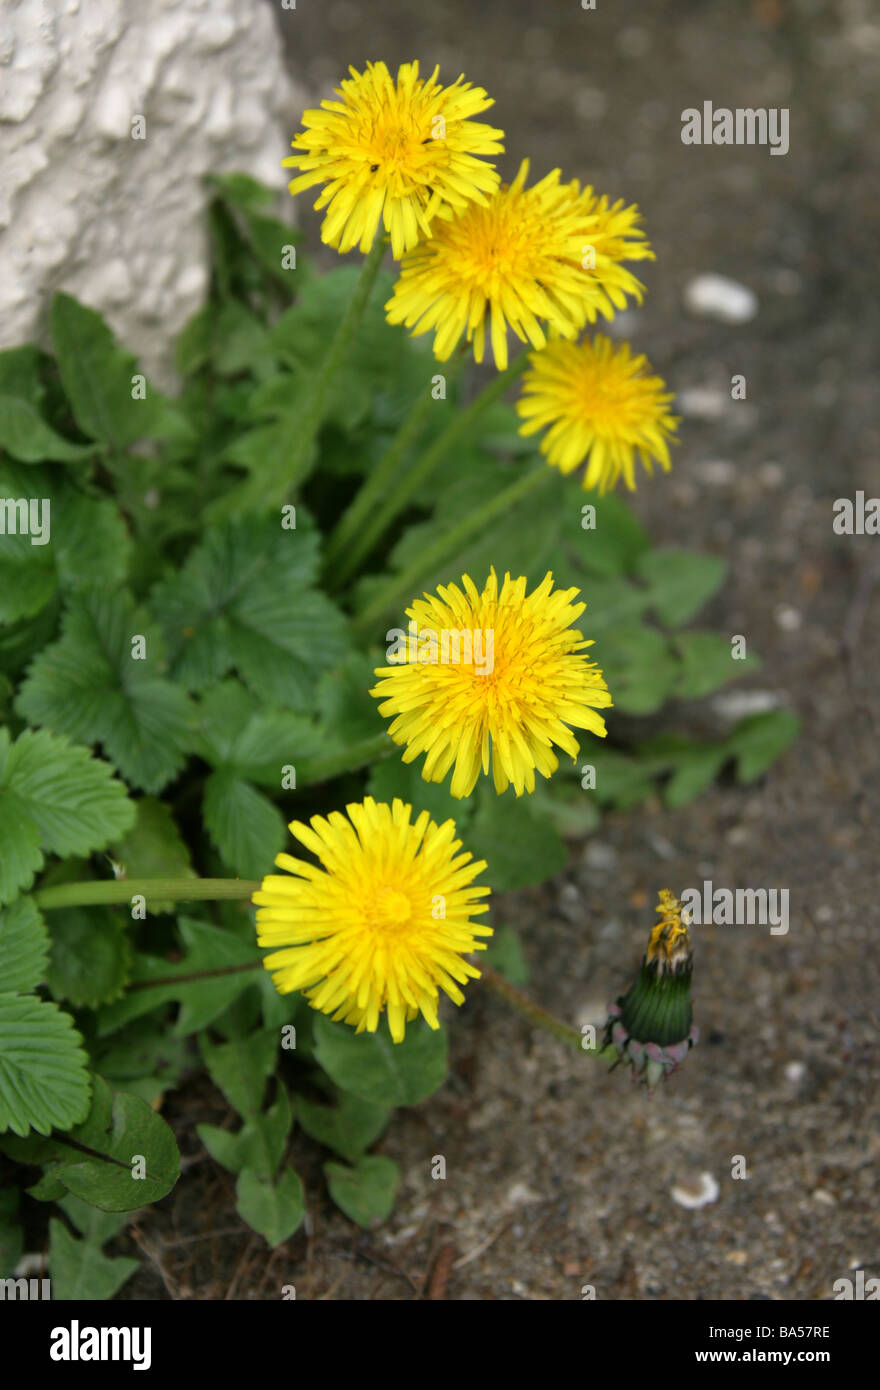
x: 560, y: 1174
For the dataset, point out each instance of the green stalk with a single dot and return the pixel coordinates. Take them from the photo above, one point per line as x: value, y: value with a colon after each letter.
x: 346, y: 546
x: 122, y: 890
x: 424, y: 465
x: 269, y: 488
x: 402, y: 586
x: 540, y: 1017
x: 311, y: 422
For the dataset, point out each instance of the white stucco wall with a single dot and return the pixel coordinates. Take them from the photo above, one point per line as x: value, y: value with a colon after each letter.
x: 115, y: 220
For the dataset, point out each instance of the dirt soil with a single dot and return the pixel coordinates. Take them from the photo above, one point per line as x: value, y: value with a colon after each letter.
x: 559, y: 1173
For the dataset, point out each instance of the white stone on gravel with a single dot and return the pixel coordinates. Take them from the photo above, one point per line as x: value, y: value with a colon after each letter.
x: 716, y: 472
x: 736, y: 704
x: 701, y: 402
x: 696, y: 1192
x: 718, y: 297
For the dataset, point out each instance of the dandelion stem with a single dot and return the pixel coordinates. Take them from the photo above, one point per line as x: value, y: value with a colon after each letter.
x: 402, y: 585
x: 351, y: 539
x: 417, y: 474
x: 540, y: 1017
x: 268, y: 487
x: 122, y: 890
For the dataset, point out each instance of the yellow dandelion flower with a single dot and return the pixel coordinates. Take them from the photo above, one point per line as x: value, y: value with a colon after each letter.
x: 494, y: 679
x: 545, y: 259
x: 395, y: 153
x: 670, y: 943
x: 600, y: 405
x: 383, y: 925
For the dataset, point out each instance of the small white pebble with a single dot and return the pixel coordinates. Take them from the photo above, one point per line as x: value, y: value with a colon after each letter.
x: 594, y: 1011
x: 771, y: 475
x: 735, y: 704
x: 697, y: 1192
x: 794, y: 1072
x: 788, y: 618
x: 717, y: 472
x: 701, y: 402
x: 825, y: 1198
x: 718, y: 297
x: 521, y: 1195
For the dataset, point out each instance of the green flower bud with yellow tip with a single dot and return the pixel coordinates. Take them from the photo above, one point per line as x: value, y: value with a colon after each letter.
x: 651, y: 1025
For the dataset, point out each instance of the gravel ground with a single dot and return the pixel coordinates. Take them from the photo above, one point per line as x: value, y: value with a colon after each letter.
x: 560, y: 1174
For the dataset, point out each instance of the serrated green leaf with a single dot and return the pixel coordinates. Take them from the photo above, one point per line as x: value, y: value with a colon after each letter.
x: 24, y: 945
x: 22, y: 852
x: 44, y: 1079
x: 273, y: 1209
x: 80, y: 1270
x: 243, y: 601
x: 371, y: 1066
x: 707, y: 663
x: 97, y: 376
x: 25, y: 435
x: 54, y: 797
x: 680, y: 582
x: 694, y: 770
x: 91, y: 957
x: 348, y: 710
x: 381, y: 361
x: 27, y: 582
x: 519, y: 844
x: 91, y: 686
x: 212, y: 957
x: 620, y: 781
x: 239, y: 337
x: 153, y: 848
x: 87, y: 542
x: 255, y: 744
x: 348, y: 1127
x: 639, y: 667
x: 247, y: 830
x: 601, y: 534
x: 142, y: 1052
x: 759, y: 740
x: 20, y: 373
x: 366, y: 1191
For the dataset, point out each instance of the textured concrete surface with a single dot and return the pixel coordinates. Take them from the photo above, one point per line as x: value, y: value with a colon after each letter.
x: 110, y: 113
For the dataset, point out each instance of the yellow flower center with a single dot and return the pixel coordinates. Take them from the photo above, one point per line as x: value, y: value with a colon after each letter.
x: 389, y: 911
x: 603, y: 399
